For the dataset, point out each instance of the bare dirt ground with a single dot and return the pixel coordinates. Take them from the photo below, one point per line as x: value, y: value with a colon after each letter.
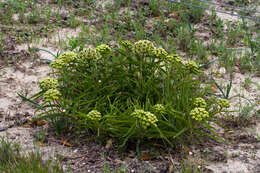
x: 239, y: 153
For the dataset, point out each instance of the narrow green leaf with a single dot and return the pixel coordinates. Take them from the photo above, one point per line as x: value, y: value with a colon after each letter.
x: 29, y: 100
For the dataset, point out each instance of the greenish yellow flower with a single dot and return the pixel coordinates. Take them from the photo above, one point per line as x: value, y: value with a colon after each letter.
x: 192, y: 67
x: 199, y: 114
x: 146, y: 119
x: 58, y: 64
x: 159, y: 108
x: 64, y: 60
x: 103, y: 49
x: 94, y: 115
x: 48, y: 83
x: 159, y: 52
x: 68, y: 57
x: 51, y: 94
x: 126, y: 44
x: 89, y: 53
x: 200, y: 102
x: 143, y: 47
x: 174, y: 58
x: 223, y: 103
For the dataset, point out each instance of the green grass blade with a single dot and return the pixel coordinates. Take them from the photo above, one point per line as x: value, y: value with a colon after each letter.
x: 207, y: 64
x: 44, y: 50
x: 28, y: 100
x: 219, y: 87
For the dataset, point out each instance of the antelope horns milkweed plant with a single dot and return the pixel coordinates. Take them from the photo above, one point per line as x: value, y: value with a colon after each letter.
x: 131, y: 91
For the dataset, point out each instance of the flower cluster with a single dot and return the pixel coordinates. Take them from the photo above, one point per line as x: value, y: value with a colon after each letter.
x: 159, y: 52
x: 159, y: 108
x: 48, y: 83
x: 126, y: 44
x: 103, y: 49
x: 94, y: 115
x: 200, y: 102
x: 223, y: 103
x: 143, y: 47
x: 192, y: 67
x: 174, y: 58
x: 51, y: 94
x: 89, y: 53
x: 199, y: 114
x: 63, y: 60
x: 146, y: 118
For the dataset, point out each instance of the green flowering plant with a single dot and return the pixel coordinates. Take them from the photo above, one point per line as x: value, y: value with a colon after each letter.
x: 132, y: 91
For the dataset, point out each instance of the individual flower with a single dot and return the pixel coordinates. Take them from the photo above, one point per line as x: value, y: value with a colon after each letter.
x: 223, y: 103
x: 51, y: 94
x: 143, y: 47
x: 63, y: 60
x: 48, y: 83
x: 103, y: 49
x: 94, y: 115
x: 159, y: 108
x: 200, y: 102
x: 199, y: 114
x: 159, y: 52
x: 89, y: 53
x: 192, y: 67
x: 146, y: 119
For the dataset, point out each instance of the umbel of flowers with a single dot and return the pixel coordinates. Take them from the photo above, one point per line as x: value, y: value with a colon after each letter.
x: 223, y: 103
x: 100, y: 88
x: 146, y: 119
x: 159, y: 108
x: 200, y: 102
x: 143, y: 47
x: 94, y: 115
x: 199, y: 114
x: 51, y: 95
x: 48, y: 83
x: 89, y: 53
x: 64, y: 60
x: 103, y: 49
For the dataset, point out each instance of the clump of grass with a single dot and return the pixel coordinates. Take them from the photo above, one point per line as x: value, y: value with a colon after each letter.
x: 12, y: 160
x: 246, y: 112
x: 234, y: 35
x: 190, y: 13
